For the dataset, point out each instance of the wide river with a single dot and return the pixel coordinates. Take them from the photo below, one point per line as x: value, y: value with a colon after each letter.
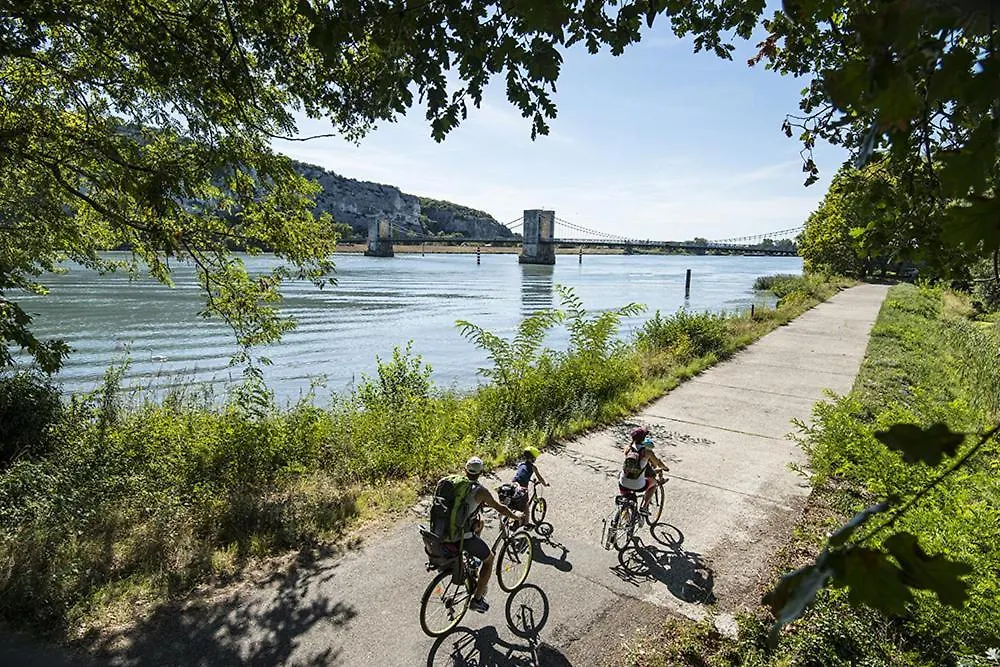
x: 376, y: 304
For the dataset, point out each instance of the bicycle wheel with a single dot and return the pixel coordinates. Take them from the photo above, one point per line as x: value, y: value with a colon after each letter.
x: 538, y: 510
x: 514, y: 561
x: 624, y: 524
x: 443, y: 604
x: 655, y: 505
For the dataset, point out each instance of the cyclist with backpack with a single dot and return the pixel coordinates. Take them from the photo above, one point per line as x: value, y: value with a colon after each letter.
x: 640, y: 468
x: 455, y: 518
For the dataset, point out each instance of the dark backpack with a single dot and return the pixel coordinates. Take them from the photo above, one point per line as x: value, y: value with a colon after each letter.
x: 447, y: 516
x: 505, y: 492
x: 632, y: 467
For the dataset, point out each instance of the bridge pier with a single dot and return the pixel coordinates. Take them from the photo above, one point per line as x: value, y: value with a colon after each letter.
x: 539, y: 229
x: 379, y: 240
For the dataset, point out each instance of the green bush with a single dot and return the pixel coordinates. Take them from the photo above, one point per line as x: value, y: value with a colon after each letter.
x: 767, y: 283
x: 29, y: 405
x: 688, y: 335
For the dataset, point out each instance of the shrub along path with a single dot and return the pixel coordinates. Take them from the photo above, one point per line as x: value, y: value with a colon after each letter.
x: 730, y: 504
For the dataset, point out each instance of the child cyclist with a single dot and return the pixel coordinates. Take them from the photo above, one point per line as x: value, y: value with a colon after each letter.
x: 640, y: 468
x: 525, y: 469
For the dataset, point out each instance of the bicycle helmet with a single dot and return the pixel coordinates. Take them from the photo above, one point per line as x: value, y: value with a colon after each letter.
x: 474, y: 466
x: 532, y: 452
x: 638, y: 434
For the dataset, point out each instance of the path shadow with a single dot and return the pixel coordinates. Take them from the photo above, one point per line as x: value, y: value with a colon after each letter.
x: 264, y: 624
x: 685, y: 573
x: 667, y: 534
x: 539, y: 556
x: 18, y: 650
x: 527, y: 612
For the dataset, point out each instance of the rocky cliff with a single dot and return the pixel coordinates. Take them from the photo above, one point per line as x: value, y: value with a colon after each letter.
x: 359, y: 203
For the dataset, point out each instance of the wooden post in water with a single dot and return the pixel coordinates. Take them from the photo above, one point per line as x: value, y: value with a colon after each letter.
x: 477, y: 254
x: 581, y: 254
x: 422, y: 244
x: 687, y: 285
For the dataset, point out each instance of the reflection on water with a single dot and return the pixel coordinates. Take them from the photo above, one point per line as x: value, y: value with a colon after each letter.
x: 537, y: 285
x: 377, y: 304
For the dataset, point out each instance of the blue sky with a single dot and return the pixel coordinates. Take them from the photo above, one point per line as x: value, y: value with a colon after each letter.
x: 658, y: 143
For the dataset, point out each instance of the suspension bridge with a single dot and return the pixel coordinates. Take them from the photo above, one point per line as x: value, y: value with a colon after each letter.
x: 536, y: 233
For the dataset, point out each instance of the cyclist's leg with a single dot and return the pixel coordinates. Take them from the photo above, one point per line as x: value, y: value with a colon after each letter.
x: 478, y: 548
x: 650, y: 485
x: 520, y: 503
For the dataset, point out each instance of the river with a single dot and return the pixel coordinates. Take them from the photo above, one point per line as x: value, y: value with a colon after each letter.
x: 376, y: 304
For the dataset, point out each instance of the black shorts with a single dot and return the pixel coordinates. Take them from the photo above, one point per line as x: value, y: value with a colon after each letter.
x: 476, y: 546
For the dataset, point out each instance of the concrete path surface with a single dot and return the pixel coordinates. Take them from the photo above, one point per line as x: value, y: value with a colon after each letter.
x: 731, y: 501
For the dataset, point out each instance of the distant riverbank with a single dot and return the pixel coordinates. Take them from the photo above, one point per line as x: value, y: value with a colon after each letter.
x: 470, y: 248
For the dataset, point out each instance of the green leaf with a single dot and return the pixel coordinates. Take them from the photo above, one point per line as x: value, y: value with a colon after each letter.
x: 953, y: 75
x: 935, y: 573
x: 975, y: 224
x: 795, y: 591
x: 917, y: 444
x: 872, y: 579
x: 847, y: 85
x: 969, y: 169
x: 898, y: 102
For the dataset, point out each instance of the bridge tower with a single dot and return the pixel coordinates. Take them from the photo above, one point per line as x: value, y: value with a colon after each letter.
x: 539, y: 231
x: 379, y: 239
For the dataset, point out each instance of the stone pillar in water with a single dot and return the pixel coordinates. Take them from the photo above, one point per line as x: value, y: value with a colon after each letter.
x: 379, y: 239
x: 539, y: 230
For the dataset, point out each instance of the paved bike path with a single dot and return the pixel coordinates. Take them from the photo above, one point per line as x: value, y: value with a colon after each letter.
x: 731, y: 500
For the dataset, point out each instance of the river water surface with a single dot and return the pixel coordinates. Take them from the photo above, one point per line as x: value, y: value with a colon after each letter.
x: 378, y: 303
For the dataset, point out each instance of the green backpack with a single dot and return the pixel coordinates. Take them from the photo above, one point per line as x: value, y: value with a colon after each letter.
x: 447, y: 516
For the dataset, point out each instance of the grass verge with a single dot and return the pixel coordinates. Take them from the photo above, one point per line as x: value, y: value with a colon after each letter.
x: 928, y: 360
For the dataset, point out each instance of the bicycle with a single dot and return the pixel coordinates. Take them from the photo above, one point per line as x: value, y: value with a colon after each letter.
x: 537, y: 505
x: 656, y: 502
x: 514, y: 556
x: 447, y: 596
x: 620, y: 528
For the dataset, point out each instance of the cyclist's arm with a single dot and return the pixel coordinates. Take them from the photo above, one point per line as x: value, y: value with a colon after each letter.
x: 657, y: 463
x: 539, y: 476
x: 486, y: 498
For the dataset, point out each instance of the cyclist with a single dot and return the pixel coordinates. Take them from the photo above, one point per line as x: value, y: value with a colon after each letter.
x: 639, y: 453
x: 473, y: 544
x: 525, y: 469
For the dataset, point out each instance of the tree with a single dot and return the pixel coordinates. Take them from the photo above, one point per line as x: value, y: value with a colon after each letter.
x: 918, y: 79
x: 872, y: 221
x: 146, y: 125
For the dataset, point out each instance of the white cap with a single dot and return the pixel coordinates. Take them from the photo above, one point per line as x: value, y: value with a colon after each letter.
x: 474, y: 466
